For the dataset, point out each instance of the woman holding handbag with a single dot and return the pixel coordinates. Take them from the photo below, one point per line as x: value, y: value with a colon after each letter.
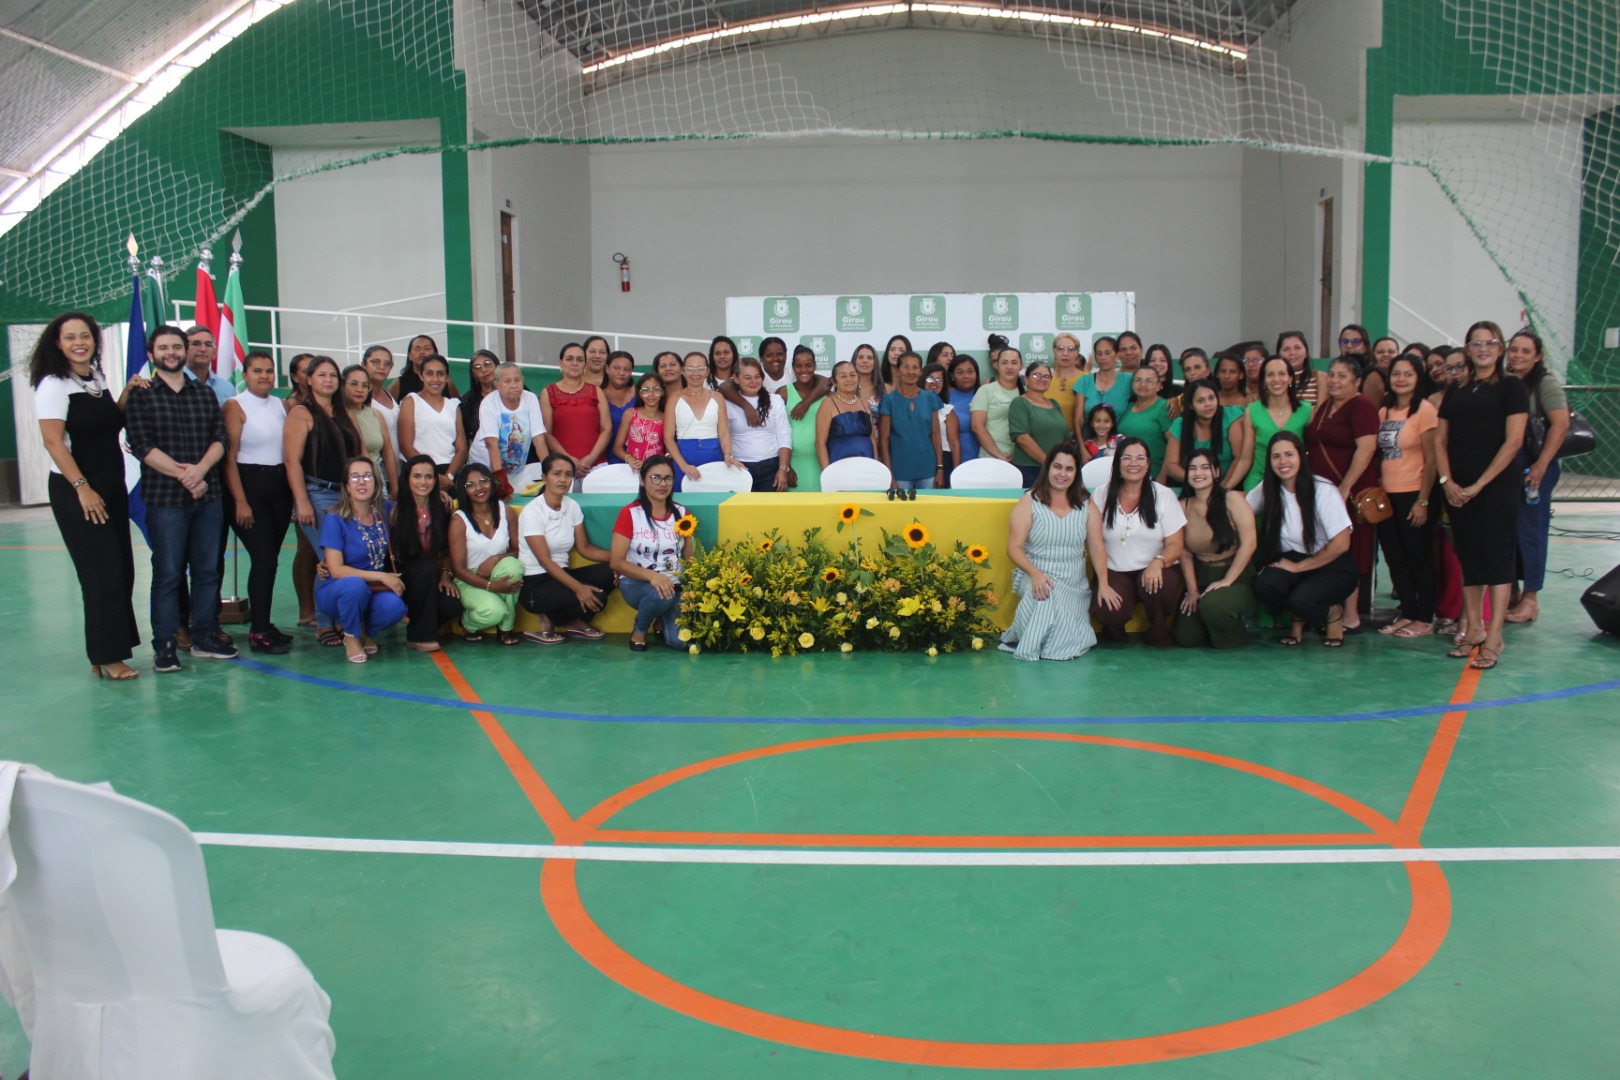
x: 1545, y: 429
x: 1341, y: 443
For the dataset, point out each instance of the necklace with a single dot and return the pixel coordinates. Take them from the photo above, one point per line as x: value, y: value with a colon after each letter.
x: 847, y: 400
x: 92, y: 385
x: 375, y: 537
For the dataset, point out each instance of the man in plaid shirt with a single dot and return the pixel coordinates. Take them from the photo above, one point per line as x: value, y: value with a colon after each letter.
x: 175, y: 429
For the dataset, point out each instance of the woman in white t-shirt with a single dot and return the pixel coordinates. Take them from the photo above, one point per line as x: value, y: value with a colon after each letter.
x: 509, y: 426
x: 648, y: 553
x: 1305, y: 562
x: 549, y: 529
x: 1135, y: 536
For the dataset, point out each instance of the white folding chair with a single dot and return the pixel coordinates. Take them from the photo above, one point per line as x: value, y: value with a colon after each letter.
x: 856, y: 474
x: 126, y: 975
x: 1094, y: 473
x: 615, y: 477
x: 986, y: 473
x: 718, y: 476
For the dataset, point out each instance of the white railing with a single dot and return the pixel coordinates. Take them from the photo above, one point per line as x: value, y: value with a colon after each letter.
x: 1445, y: 336
x: 312, y: 330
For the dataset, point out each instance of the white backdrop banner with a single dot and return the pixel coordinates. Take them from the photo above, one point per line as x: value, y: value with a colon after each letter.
x: 832, y: 326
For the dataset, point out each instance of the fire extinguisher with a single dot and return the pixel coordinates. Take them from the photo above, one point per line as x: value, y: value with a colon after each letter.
x: 624, y: 270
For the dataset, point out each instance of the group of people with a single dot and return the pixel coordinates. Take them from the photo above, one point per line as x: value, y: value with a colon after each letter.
x: 401, y: 489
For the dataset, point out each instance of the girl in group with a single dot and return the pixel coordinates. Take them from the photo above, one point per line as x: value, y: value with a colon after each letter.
x: 511, y: 427
x: 1046, y: 538
x: 807, y: 386
x: 1036, y: 424
x: 429, y: 424
x: 1103, y: 383
x: 551, y: 529
x: 362, y: 590
x: 696, y: 431
x: 641, y: 432
x: 1067, y: 366
x: 765, y: 448
x: 908, y: 435
x: 254, y: 472
x: 961, y: 383
x: 897, y: 347
x: 482, y: 369
x: 1205, y: 425
x: 722, y: 361
x: 1135, y: 537
x: 410, y: 380
x: 80, y: 423
x: 617, y: 386
x: 648, y: 554
x: 1278, y: 408
x: 373, y: 429
x: 419, y: 530
x: 1101, y: 431
x: 950, y: 428
x: 1482, y: 423
x: 1292, y: 347
x: 991, y: 403
x: 1129, y: 349
x: 843, y: 423
x: 1406, y: 436
x: 1217, y: 560
x: 1342, y: 444
x: 1305, y: 563
x: 317, y: 441
x: 596, y: 359
x: 379, y: 364
x: 1549, y: 406
x: 1147, y: 418
x: 575, y: 413
x: 483, y: 555
x: 873, y: 385
x: 668, y: 367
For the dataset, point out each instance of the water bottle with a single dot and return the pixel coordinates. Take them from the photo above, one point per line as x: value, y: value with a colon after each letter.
x: 1532, y: 493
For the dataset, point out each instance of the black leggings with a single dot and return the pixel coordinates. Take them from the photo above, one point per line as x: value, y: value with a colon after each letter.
x: 268, y: 496
x: 427, y: 606
x: 104, y: 559
x: 544, y: 595
x: 1409, y: 552
x: 1311, y: 596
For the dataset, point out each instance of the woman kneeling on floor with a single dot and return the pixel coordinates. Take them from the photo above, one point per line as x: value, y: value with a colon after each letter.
x: 363, y: 590
x: 483, y: 554
x: 1305, y: 543
x: 420, y: 532
x: 564, y: 597
x: 1135, y: 535
x: 1217, y: 561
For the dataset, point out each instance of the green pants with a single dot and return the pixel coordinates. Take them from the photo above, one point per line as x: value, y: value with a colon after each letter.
x: 1219, y: 618
x: 482, y: 609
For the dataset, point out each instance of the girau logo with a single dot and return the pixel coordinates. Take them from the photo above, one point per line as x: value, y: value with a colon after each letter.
x: 1035, y: 347
x: 1074, y: 311
x: 854, y: 314
x: 825, y: 346
x: 1001, y: 312
x: 782, y: 314
x: 746, y: 346
x: 927, y: 313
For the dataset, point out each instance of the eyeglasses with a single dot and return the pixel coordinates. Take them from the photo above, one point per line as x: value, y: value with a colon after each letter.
x: 362, y: 478
x: 651, y: 389
x: 476, y: 481
x: 1347, y: 342
x: 661, y: 478
x: 1456, y: 367
x: 1489, y: 343
x: 1040, y: 375
x: 1068, y: 348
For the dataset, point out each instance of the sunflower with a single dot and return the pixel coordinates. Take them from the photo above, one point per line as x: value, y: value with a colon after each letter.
x: 977, y: 554
x: 686, y: 526
x: 831, y: 574
x: 766, y: 545
x: 849, y: 513
x: 916, y: 536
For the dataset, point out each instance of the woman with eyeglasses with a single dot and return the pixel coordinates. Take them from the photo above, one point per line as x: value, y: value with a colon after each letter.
x: 482, y: 368
x: 648, y: 554
x: 696, y: 431
x: 484, y: 557
x: 363, y: 591
x: 1482, y: 425
x: 950, y: 428
x: 1147, y: 417
x: 1548, y: 417
x: 641, y: 432
x: 1036, y: 424
x: 1135, y: 535
x: 1305, y: 564
x: 1067, y: 366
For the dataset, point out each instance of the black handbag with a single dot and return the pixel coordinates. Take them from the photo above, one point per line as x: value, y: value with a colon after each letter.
x: 1579, y: 439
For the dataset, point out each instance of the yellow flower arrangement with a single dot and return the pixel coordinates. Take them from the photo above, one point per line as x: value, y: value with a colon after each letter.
x: 831, y: 574
x: 977, y: 554
x: 806, y: 640
x: 916, y: 536
x: 766, y: 545
x: 686, y: 526
x: 848, y: 513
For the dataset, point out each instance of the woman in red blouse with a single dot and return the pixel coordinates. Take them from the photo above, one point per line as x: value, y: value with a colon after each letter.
x: 576, y: 414
x: 1341, y: 442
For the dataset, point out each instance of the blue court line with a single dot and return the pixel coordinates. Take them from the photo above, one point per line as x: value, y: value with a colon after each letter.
x: 945, y: 721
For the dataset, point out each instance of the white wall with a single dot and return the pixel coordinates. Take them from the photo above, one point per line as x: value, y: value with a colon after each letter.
x: 360, y: 237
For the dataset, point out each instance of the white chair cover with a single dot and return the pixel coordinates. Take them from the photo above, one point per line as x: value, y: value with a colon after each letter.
x: 986, y: 473
x: 615, y: 477
x: 111, y: 957
x: 1094, y: 473
x: 856, y: 474
x: 718, y: 476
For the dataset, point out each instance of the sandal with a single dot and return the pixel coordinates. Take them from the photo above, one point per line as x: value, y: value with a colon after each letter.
x: 543, y: 637
x: 1466, y: 649
x: 1407, y: 631
x: 115, y: 672
x: 511, y: 637
x: 1288, y: 640
x: 472, y: 637
x: 370, y: 646
x: 329, y: 635
x: 306, y: 620
x: 589, y: 633
x: 356, y: 651
x: 1333, y: 643
x: 1484, y: 662
x: 1395, y: 627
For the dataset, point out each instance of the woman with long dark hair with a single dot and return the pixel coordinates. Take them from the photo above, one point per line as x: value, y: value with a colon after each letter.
x: 1549, y: 415
x: 410, y: 380
x: 897, y: 347
x: 79, y: 422
x: 429, y: 423
x: 1129, y: 347
x: 766, y: 447
x: 807, y: 387
x: 722, y: 357
x: 481, y: 371
x: 1305, y: 564
x: 1135, y: 535
x: 1204, y: 424
x: 1342, y: 443
x: 373, y: 429
x: 1278, y: 408
x: 1046, y: 538
x: 483, y: 555
x: 1407, y: 431
x: 1482, y: 425
x: 550, y: 529
x: 256, y: 474
x: 991, y: 403
x: 961, y: 383
x: 1293, y: 347
x: 648, y: 554
x: 1217, y: 560
x: 317, y: 441
x: 420, y: 532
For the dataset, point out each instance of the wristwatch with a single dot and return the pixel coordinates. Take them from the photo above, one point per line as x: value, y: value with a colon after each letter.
x: 1444, y: 480
x: 1423, y: 502
x: 80, y: 482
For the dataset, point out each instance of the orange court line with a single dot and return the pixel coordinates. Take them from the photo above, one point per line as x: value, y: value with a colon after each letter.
x: 1426, y: 786
x: 1017, y: 843
x: 563, y: 828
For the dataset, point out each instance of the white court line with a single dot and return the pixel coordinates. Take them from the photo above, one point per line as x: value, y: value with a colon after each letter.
x: 811, y: 857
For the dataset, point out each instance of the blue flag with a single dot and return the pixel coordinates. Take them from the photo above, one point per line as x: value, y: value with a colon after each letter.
x: 134, y: 364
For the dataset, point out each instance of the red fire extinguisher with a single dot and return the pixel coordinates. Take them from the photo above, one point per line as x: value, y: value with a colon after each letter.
x: 624, y: 270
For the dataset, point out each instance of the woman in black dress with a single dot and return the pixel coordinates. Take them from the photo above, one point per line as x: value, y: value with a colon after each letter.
x: 79, y: 422
x: 1481, y: 429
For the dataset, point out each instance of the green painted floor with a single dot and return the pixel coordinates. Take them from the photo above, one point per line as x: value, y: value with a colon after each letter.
x: 459, y: 965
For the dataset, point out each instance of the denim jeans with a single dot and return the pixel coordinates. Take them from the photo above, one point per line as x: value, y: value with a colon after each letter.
x: 185, y: 537
x: 322, y: 499
x: 1534, y: 522
x: 925, y: 484
x: 650, y: 607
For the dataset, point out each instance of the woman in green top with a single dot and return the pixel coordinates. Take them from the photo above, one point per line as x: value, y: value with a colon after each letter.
x: 1205, y: 425
x: 1036, y: 423
x: 1148, y: 418
x: 1103, y: 383
x: 1278, y: 409
x: 807, y: 387
x: 990, y: 404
